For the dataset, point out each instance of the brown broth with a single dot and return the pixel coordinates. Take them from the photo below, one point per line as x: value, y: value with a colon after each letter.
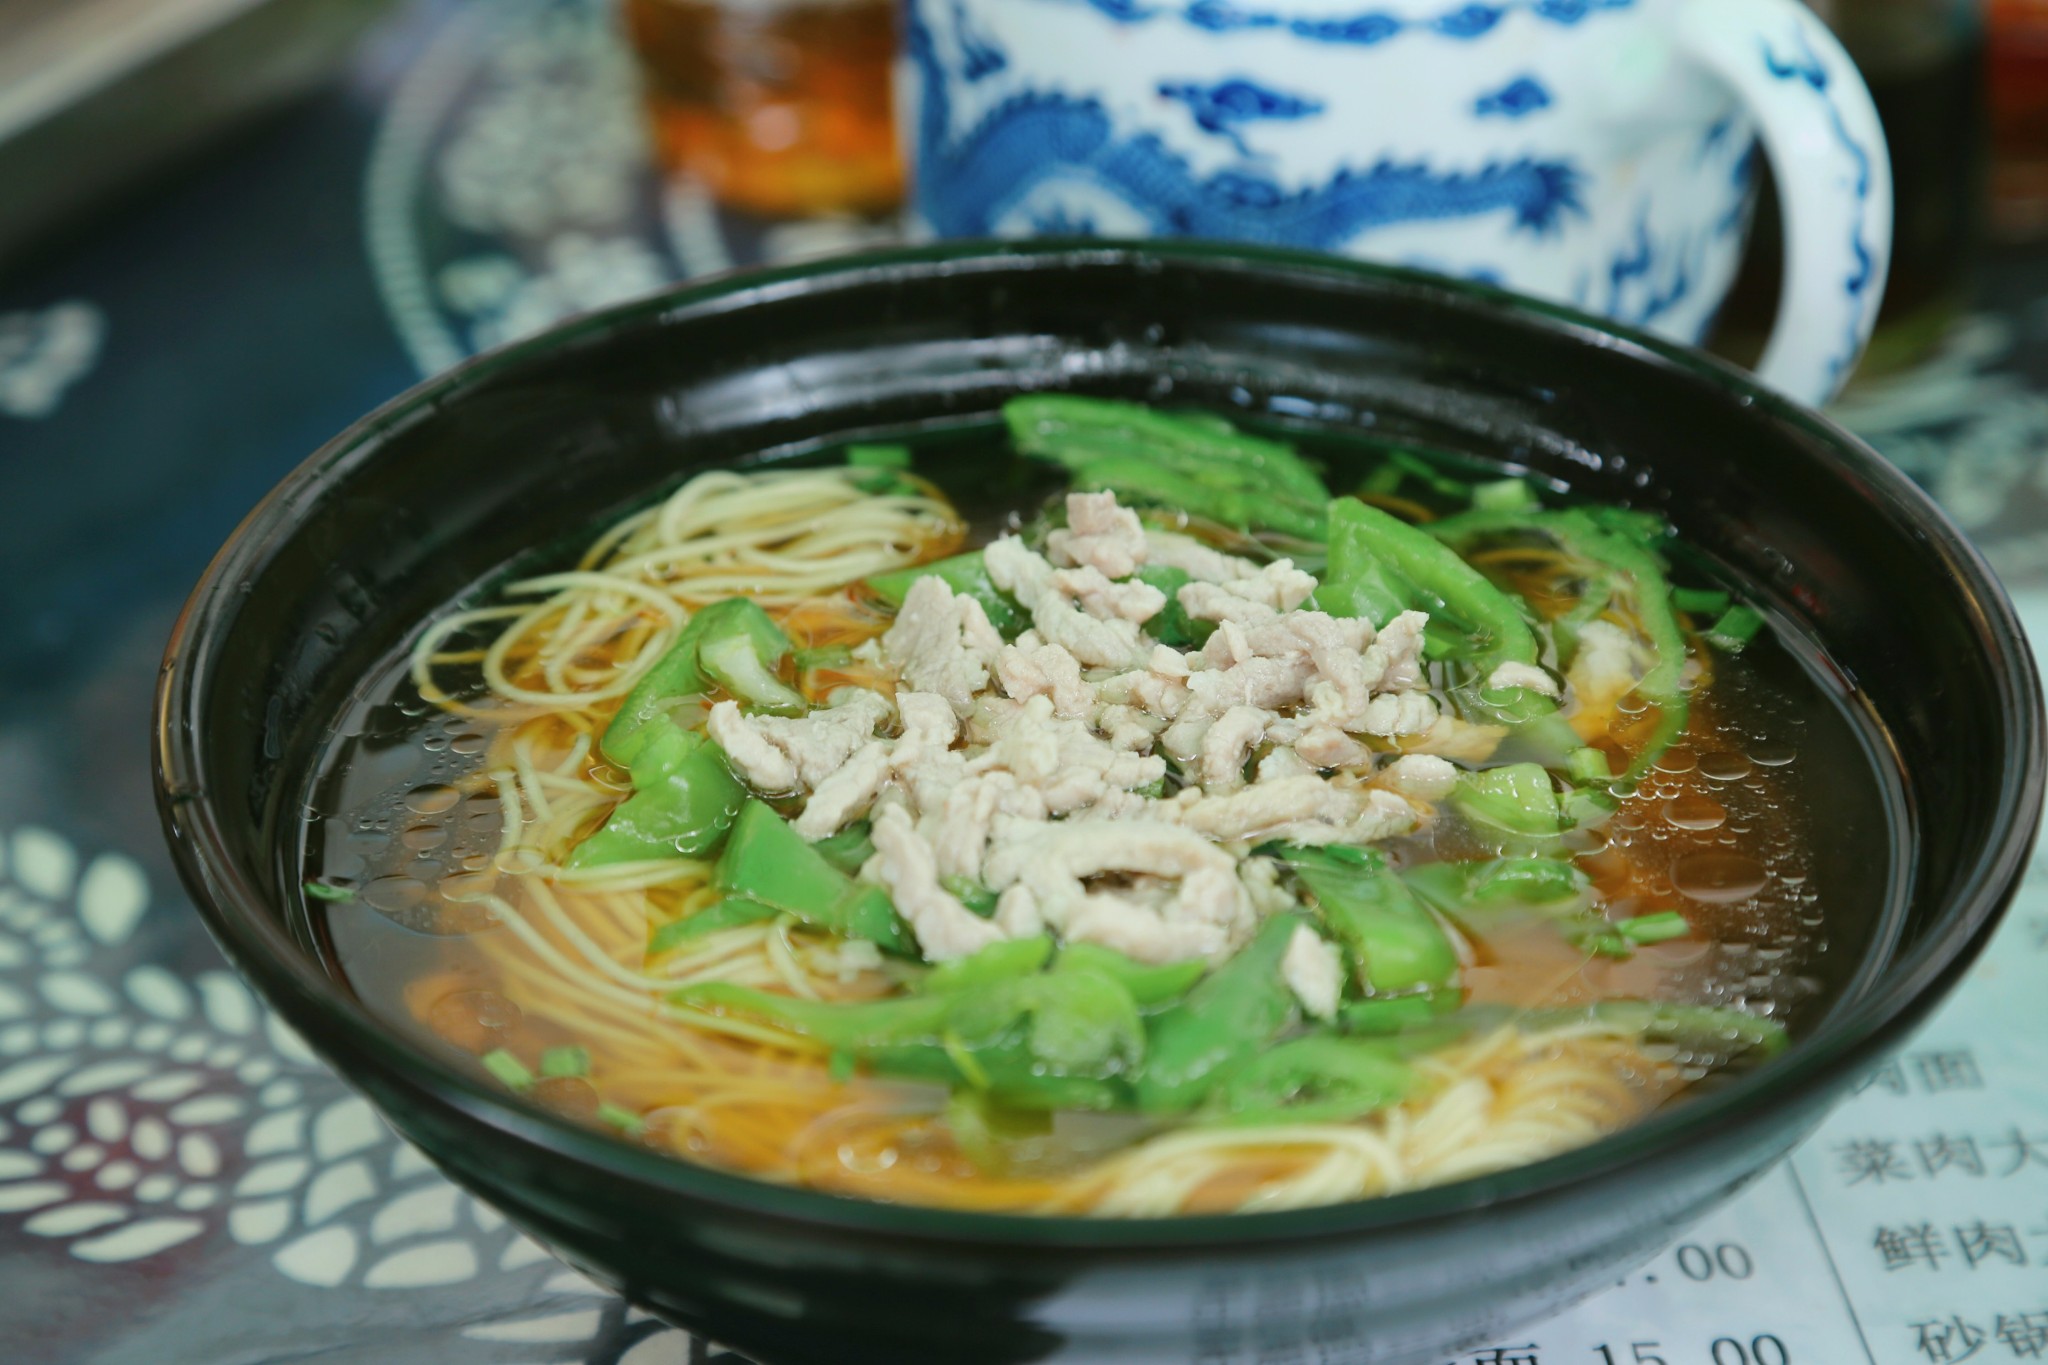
x: 1758, y: 827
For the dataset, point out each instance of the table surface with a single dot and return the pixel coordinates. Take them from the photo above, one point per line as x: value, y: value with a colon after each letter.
x: 180, y: 1180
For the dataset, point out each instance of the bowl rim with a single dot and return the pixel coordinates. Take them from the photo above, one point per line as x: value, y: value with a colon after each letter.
x: 244, y: 924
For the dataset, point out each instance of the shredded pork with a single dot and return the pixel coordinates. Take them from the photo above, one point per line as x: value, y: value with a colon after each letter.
x: 1038, y: 770
x: 1314, y: 972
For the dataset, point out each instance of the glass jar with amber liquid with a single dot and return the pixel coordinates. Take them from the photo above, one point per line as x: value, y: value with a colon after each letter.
x: 2019, y: 118
x: 780, y: 108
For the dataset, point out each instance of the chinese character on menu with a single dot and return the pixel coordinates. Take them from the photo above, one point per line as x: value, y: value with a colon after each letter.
x: 1944, y: 1343
x: 1982, y: 1241
x: 1940, y: 1071
x: 1507, y: 1355
x: 2026, y: 1151
x: 1891, y: 1076
x: 2024, y: 1334
x: 1905, y: 1247
x: 1874, y: 1159
x: 1944, y: 1153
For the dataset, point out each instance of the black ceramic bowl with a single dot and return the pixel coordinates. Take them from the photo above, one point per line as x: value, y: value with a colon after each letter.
x: 439, y: 488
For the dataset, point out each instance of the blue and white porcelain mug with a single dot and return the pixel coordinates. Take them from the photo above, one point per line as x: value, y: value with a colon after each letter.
x: 1596, y: 152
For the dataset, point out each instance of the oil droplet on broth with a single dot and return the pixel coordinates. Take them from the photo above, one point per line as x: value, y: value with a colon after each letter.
x: 466, y: 885
x: 1675, y: 953
x: 422, y: 837
x: 1725, y: 767
x: 1637, y: 977
x: 1676, y: 759
x: 473, y: 1019
x: 864, y: 1163
x: 1694, y: 811
x: 432, y: 799
x: 395, y: 894
x: 1718, y: 878
x: 1772, y: 755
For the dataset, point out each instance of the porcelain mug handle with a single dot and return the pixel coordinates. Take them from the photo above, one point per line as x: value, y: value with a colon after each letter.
x: 1821, y: 131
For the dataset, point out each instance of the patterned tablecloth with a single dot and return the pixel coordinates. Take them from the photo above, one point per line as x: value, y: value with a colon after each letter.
x: 181, y: 1181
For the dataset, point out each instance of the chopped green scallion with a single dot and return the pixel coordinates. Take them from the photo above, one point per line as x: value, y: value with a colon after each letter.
x: 971, y: 893
x: 1657, y: 928
x: 1428, y: 475
x: 1736, y: 628
x: 1587, y: 765
x: 1504, y: 495
x: 971, y: 1069
x: 878, y: 456
x: 565, y: 1061
x: 1617, y: 946
x: 509, y: 1070
x: 621, y: 1118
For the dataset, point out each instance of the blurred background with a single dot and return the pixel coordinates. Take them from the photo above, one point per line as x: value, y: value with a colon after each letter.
x: 269, y: 215
x: 603, y: 147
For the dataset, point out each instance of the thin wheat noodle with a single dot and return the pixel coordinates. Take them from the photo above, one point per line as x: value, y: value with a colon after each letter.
x: 574, y: 946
